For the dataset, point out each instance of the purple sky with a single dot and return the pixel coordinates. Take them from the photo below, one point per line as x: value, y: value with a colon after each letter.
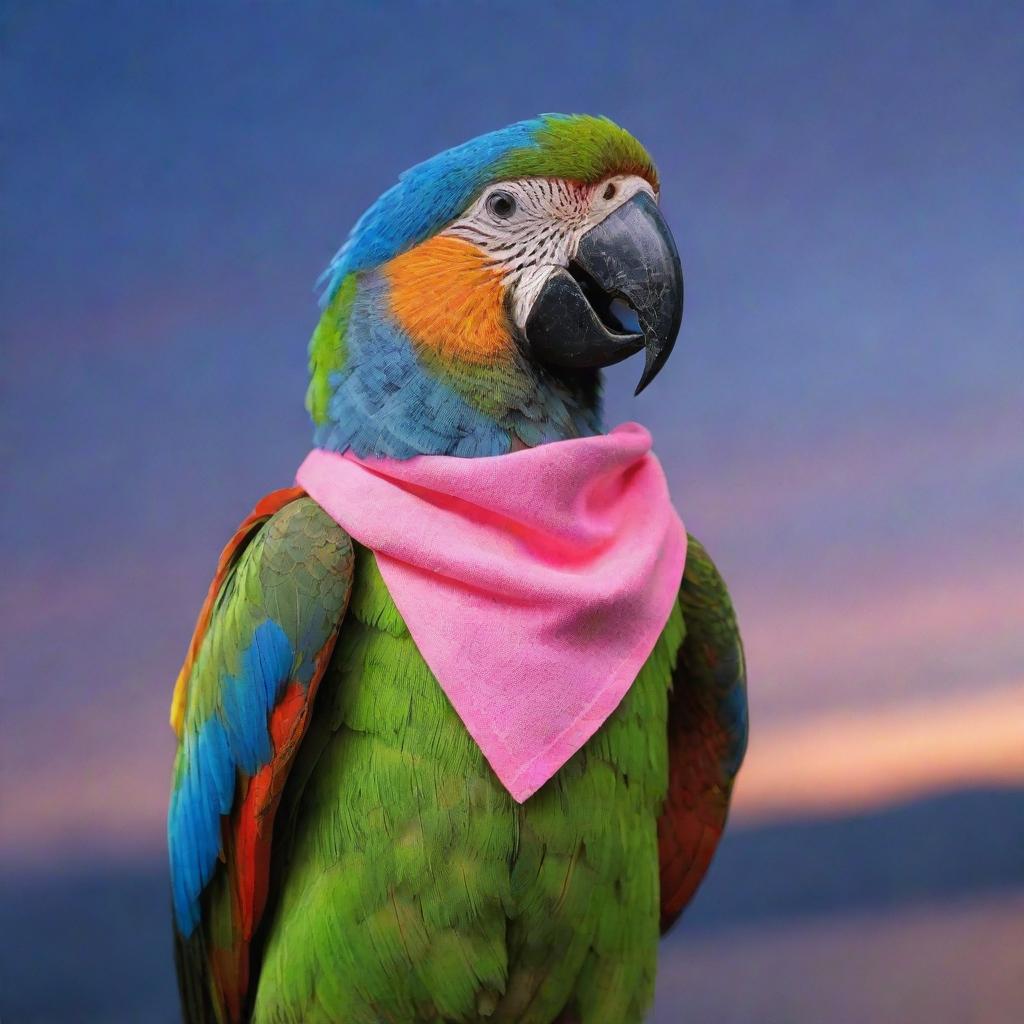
x: 842, y: 420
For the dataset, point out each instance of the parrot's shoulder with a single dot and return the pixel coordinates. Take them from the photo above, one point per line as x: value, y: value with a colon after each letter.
x: 287, y: 537
x: 302, y: 542
x: 703, y: 587
x: 712, y: 654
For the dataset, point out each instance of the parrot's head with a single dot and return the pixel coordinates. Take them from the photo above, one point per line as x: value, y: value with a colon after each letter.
x: 474, y: 303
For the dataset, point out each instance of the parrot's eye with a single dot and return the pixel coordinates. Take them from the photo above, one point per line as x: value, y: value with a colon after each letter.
x: 501, y: 205
x: 609, y: 192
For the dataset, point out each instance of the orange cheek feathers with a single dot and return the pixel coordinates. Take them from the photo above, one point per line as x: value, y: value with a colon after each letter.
x: 448, y: 297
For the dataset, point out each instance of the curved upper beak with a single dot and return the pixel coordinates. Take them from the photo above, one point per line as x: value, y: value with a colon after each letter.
x: 623, y: 291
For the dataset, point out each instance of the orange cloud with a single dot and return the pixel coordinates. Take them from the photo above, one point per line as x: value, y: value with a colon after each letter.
x: 843, y: 761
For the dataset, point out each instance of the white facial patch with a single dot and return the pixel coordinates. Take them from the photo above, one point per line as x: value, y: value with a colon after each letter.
x: 530, y: 227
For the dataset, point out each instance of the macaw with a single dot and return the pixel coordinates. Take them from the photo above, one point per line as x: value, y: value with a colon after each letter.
x: 340, y: 848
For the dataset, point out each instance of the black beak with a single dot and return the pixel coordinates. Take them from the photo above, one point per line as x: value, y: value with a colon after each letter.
x: 622, y: 292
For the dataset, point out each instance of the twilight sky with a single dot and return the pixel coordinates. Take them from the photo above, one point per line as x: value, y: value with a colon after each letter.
x: 842, y: 420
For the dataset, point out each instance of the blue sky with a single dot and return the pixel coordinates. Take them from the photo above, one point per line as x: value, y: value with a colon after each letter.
x: 841, y: 420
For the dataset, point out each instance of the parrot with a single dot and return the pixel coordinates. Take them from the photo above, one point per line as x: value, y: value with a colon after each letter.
x: 341, y: 851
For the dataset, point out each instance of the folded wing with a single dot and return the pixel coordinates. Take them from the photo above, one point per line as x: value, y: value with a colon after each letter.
x: 707, y: 733
x: 241, y: 707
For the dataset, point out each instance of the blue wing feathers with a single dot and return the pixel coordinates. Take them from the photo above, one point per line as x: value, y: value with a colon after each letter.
x: 236, y: 737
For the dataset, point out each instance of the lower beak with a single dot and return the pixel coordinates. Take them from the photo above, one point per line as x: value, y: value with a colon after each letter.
x: 622, y: 292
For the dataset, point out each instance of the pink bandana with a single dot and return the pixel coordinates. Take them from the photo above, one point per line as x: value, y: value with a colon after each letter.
x: 534, y: 584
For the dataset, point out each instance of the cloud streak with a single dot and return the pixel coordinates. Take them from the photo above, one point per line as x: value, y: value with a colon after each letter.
x: 842, y: 761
